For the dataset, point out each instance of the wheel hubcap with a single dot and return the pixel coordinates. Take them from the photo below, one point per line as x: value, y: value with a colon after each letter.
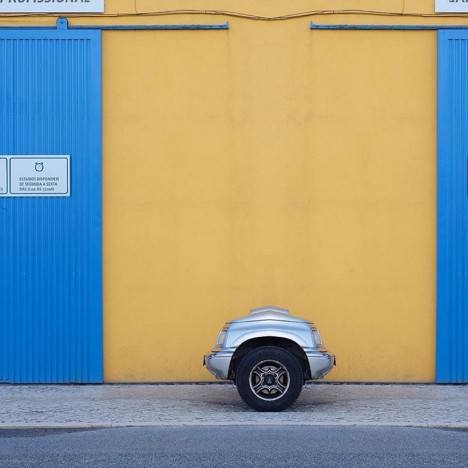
x: 269, y: 380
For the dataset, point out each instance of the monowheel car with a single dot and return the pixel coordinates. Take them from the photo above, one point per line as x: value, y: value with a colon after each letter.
x: 269, y: 354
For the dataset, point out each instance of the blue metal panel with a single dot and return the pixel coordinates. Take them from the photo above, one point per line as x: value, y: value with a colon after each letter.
x: 452, y: 208
x: 50, y: 248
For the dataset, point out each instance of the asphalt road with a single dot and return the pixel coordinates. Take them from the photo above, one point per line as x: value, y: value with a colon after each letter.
x: 242, y: 446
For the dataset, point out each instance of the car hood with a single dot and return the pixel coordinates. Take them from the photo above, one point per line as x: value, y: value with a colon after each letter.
x: 269, y: 313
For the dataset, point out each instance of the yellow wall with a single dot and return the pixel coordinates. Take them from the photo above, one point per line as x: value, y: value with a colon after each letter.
x: 269, y: 165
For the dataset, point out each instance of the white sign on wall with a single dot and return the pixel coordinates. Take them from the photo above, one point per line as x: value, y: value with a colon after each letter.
x: 451, y: 6
x: 51, y: 6
x: 3, y: 176
x: 35, y: 176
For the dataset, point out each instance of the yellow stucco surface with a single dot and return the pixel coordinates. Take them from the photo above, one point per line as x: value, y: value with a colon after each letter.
x: 269, y: 164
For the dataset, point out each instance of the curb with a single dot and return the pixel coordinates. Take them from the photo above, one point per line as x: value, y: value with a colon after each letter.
x: 6, y: 427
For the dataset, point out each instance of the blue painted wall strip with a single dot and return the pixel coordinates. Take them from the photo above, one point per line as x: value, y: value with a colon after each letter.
x: 383, y: 27
x: 51, y: 248
x: 452, y: 208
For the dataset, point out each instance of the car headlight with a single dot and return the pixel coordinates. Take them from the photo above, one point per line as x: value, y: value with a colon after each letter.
x: 317, y: 338
x: 221, y: 337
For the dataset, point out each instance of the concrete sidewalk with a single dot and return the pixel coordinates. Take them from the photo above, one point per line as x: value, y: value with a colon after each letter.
x: 28, y: 406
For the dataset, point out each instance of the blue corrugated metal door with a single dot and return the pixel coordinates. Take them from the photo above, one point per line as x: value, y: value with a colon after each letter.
x: 50, y: 247
x: 452, y: 219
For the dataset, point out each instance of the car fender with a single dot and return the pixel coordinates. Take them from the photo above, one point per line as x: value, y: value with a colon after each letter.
x: 240, y: 339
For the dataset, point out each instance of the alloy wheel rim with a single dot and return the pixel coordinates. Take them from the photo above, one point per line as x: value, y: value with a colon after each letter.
x: 269, y: 380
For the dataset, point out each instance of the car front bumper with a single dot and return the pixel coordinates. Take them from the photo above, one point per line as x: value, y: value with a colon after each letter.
x: 320, y: 362
x: 218, y: 362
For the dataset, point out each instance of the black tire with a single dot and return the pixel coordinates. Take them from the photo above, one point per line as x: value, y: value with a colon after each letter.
x: 269, y: 379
